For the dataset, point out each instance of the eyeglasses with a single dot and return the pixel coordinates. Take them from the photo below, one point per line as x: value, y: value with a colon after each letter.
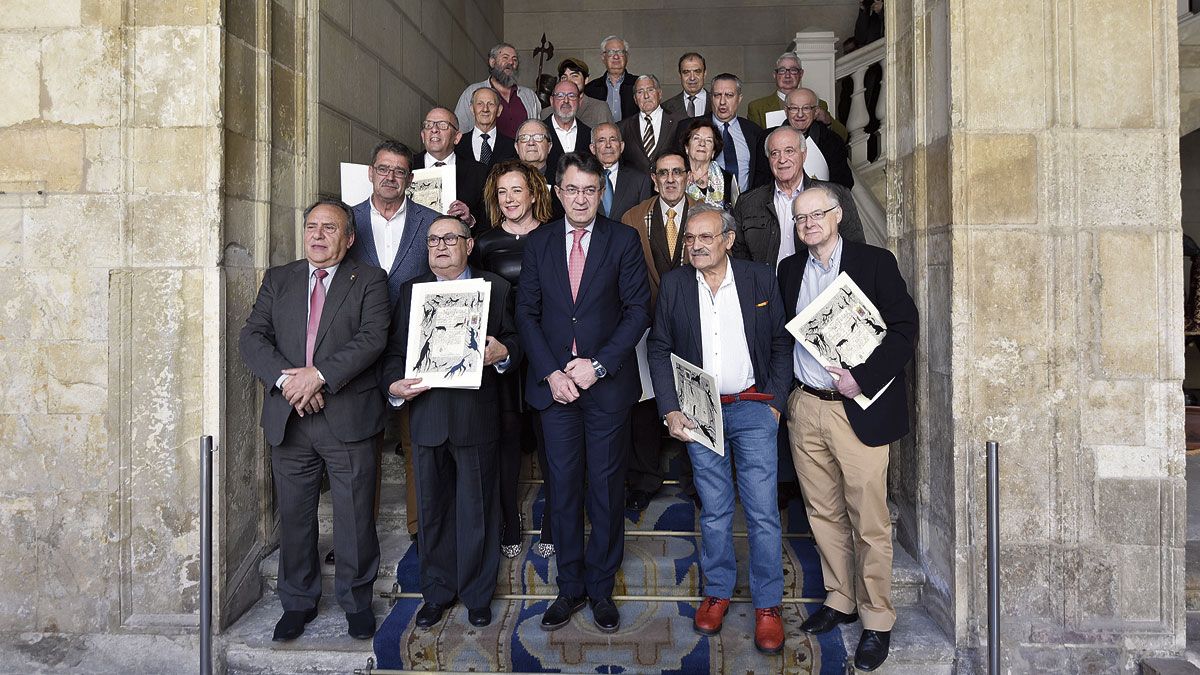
x: 613, y: 52
x: 536, y: 138
x: 327, y: 228
x: 787, y: 71
x: 565, y: 95
x: 440, y: 125
x: 663, y: 173
x: 447, y: 239
x: 806, y: 109
x: 705, y: 238
x: 397, y: 171
x: 573, y: 191
x: 802, y: 218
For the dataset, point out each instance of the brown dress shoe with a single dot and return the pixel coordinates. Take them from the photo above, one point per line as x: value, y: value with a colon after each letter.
x: 709, y: 615
x: 768, y: 630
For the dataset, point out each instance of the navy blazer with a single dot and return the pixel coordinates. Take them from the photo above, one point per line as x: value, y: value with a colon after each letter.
x: 875, y: 271
x: 606, y: 321
x: 412, y: 258
x: 677, y: 331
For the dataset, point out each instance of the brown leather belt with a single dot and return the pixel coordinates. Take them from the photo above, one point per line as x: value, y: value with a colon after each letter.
x: 823, y: 394
x: 750, y: 394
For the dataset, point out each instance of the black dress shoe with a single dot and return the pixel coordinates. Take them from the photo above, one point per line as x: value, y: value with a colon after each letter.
x: 825, y: 620
x: 362, y: 624
x: 291, y: 624
x: 330, y: 558
x: 872, y: 649
x: 431, y: 613
x: 480, y: 617
x: 638, y: 500
x: 560, y: 611
x: 605, y: 614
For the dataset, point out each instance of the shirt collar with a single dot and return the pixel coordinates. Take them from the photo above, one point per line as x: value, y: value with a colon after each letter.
x: 430, y: 160
x: 466, y: 274
x: 331, y: 269
x: 571, y: 227
x: 835, y: 260
x: 792, y: 195
x: 399, y: 212
x: 727, y: 281
x: 662, y: 207
x: 573, y: 127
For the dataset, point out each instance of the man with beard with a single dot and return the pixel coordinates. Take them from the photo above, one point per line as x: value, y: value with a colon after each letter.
x: 518, y: 103
x: 569, y: 134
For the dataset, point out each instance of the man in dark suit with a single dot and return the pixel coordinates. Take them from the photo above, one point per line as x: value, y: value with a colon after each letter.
x: 455, y: 435
x: 615, y: 86
x: 313, y: 338
x: 533, y: 147
x: 840, y: 450
x: 568, y: 134
x: 658, y: 222
x: 652, y: 130
x: 693, y: 101
x: 440, y: 137
x: 830, y: 151
x: 591, y: 112
x: 484, y: 143
x: 725, y: 316
x: 582, y: 306
x: 741, y: 139
x: 624, y: 185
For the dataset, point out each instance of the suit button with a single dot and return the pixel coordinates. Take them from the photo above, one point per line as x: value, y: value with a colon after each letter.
x: 574, y: 320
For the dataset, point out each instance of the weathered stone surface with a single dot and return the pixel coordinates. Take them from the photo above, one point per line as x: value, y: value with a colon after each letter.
x: 54, y: 236
x: 174, y: 13
x: 66, y: 304
x: 81, y: 76
x: 11, y: 219
x: 1115, y: 89
x: 349, y: 77
x: 77, y: 546
x: 104, y: 162
x: 51, y: 156
x: 172, y: 159
x: 175, y: 230
x: 19, y: 56
x: 1004, y: 169
x: 241, y: 88
x: 1124, y: 298
x: 40, y: 14
x: 1108, y: 416
x: 18, y: 519
x: 77, y: 377
x: 1005, y: 68
x: 174, y: 77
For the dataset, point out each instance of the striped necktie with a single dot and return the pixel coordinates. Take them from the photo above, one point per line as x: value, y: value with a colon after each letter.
x: 648, y: 136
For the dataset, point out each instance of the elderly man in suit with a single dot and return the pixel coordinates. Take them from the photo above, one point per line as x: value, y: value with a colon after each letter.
x: 582, y: 306
x: 533, y: 147
x: 725, y: 316
x: 456, y: 434
x: 693, y: 101
x: 485, y: 143
x: 789, y: 73
x: 591, y: 111
x: 313, y: 338
x: 440, y: 136
x: 839, y: 448
x: 650, y: 132
x: 624, y: 185
x: 569, y: 134
x: 827, y: 154
x: 615, y: 86
x: 741, y: 139
x: 519, y: 102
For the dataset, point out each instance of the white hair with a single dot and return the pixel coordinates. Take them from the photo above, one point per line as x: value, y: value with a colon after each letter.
x: 624, y: 43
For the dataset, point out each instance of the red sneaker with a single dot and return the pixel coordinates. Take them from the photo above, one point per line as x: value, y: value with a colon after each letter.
x: 709, y: 615
x: 768, y: 630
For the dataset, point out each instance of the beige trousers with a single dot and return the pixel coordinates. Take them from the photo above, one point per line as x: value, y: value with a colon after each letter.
x: 845, y: 494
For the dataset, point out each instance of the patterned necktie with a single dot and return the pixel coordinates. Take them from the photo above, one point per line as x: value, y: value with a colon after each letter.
x: 730, y: 152
x: 316, y: 302
x: 575, y: 269
x: 648, y: 136
x: 485, y: 150
x: 691, y: 107
x: 672, y: 233
x: 607, y: 200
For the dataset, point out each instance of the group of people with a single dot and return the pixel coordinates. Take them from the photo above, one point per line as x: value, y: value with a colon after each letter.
x: 614, y: 213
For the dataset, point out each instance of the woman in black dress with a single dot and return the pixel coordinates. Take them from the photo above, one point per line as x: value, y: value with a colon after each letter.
x: 517, y: 201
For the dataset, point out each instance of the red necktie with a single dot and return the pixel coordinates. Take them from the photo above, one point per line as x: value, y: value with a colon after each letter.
x: 575, y: 268
x: 316, y: 302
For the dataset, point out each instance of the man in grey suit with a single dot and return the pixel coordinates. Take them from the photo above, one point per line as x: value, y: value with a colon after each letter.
x: 624, y: 185
x: 651, y: 131
x: 313, y: 338
x: 693, y: 101
x: 456, y: 434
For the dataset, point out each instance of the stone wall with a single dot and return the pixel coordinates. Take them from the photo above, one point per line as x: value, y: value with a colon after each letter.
x: 1035, y: 203
x: 385, y: 63
x: 743, y: 38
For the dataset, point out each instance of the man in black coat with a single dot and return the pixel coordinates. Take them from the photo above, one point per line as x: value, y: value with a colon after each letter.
x: 615, y: 86
x: 440, y: 135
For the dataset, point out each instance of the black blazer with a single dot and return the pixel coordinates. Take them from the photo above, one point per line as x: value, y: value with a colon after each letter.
x: 677, y: 105
x: 599, y: 90
x: 583, y: 139
x: 875, y: 271
x: 760, y: 170
x: 503, y: 148
x: 460, y: 416
x: 677, y: 330
x: 350, y: 338
x: 469, y: 179
x: 633, y: 187
x: 758, y: 233
x: 631, y: 132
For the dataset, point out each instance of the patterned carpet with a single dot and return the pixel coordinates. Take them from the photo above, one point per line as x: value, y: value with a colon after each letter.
x: 661, y: 560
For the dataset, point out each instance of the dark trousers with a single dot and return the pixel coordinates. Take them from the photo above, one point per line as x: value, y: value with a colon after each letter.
x: 513, y: 436
x: 650, y: 443
x: 459, y: 521
x: 585, y: 444
x: 308, y: 450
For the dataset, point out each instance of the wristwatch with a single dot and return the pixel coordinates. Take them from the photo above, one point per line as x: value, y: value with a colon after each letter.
x: 601, y: 371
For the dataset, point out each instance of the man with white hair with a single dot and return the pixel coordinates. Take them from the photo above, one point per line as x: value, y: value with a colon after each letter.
x: 519, y: 103
x: 652, y: 130
x: 789, y: 73
x: 615, y: 86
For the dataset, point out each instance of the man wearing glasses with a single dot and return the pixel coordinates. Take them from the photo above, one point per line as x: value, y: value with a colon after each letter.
x: 725, y: 315
x: 582, y: 306
x: 455, y: 434
x: 570, y: 133
x: 827, y: 157
x: 788, y: 75
x: 615, y: 86
x: 840, y: 450
x: 440, y: 135
x: 533, y: 147
x: 652, y: 131
x: 591, y: 111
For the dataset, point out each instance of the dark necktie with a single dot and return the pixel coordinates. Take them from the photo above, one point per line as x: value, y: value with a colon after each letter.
x: 648, y: 137
x: 730, y: 150
x: 485, y: 150
x: 439, y: 164
x: 607, y: 199
x: 316, y: 302
x: 691, y: 106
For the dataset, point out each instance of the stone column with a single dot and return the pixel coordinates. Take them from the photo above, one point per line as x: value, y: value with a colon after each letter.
x: 1034, y: 203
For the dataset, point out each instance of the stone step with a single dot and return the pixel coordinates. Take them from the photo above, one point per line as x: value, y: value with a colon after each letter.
x: 325, y: 646
x: 918, y: 646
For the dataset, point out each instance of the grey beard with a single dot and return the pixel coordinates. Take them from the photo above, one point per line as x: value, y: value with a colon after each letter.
x: 504, y: 78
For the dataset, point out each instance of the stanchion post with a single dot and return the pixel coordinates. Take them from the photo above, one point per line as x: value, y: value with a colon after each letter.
x: 993, y: 556
x: 206, y: 476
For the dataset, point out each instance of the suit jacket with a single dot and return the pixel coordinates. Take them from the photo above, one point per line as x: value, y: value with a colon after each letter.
x: 758, y: 231
x: 591, y: 112
x: 646, y: 217
x: 759, y: 107
x: 631, y: 132
x: 583, y: 138
x: 677, y: 331
x: 597, y: 89
x: 759, y: 169
x: 351, y: 336
x: 469, y: 178
x: 606, y: 320
x: 632, y: 186
x: 460, y: 416
x: 875, y: 271
x: 503, y: 148
x: 832, y: 147
x: 412, y: 256
x: 677, y: 104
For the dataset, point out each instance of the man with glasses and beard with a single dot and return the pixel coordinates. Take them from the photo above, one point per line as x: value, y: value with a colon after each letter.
x: 518, y: 103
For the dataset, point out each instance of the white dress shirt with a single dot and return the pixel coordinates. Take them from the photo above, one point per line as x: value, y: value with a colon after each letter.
x: 387, y: 233
x: 655, y: 122
x: 585, y: 242
x: 701, y: 104
x: 477, y: 141
x: 430, y: 160
x: 787, y: 227
x: 568, y: 137
x: 723, y: 335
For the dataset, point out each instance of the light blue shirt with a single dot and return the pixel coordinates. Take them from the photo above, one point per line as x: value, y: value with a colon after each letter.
x: 614, y: 96
x: 817, y: 278
x: 743, y: 151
